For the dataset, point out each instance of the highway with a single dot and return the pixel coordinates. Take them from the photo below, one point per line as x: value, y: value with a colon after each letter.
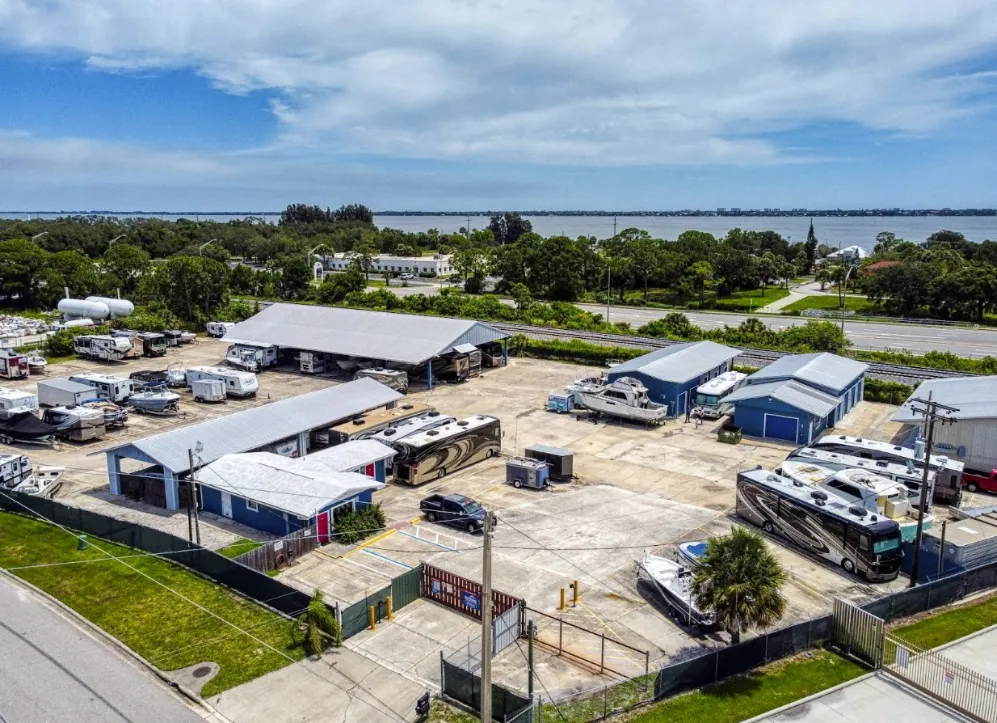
x: 54, y: 671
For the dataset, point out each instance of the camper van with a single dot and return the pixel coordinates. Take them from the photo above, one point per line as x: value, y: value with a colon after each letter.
x: 14, y: 401
x: 153, y: 344
x: 250, y: 358
x: 113, y: 389
x: 102, y: 348
x: 218, y: 329
x: 237, y: 384
x: 394, y: 378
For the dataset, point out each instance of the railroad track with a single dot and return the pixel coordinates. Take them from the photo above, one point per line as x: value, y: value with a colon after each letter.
x: 749, y: 357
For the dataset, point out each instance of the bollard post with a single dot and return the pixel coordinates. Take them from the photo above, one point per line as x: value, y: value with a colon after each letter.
x: 574, y: 586
x: 562, y: 600
x: 370, y: 616
x: 387, y: 600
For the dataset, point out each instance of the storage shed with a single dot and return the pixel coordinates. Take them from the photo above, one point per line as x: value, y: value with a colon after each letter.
x: 363, y: 456
x: 786, y: 410
x: 284, y: 426
x: 279, y: 495
x: 831, y: 374
x: 671, y: 374
x: 973, y: 438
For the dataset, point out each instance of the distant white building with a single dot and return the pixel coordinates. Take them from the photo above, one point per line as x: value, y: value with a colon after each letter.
x: 437, y: 265
x: 849, y: 254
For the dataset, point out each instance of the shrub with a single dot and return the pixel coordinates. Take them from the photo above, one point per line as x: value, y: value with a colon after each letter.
x: 879, y: 390
x: 358, y: 524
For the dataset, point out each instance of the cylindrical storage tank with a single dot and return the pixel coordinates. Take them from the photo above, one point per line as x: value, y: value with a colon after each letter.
x: 118, y: 307
x: 85, y: 321
x: 93, y: 308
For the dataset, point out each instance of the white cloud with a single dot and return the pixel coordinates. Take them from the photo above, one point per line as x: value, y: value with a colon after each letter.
x: 588, y: 82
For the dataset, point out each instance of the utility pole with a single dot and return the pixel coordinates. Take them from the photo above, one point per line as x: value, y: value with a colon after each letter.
x: 614, y: 225
x: 530, y: 634
x: 609, y: 287
x: 933, y: 412
x: 468, y: 227
x: 486, y: 621
x: 192, y: 500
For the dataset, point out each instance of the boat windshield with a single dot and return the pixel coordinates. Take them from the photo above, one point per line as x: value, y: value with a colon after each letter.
x: 886, y: 543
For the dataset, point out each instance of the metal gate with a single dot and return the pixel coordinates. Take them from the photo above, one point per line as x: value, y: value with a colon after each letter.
x: 406, y: 588
x: 960, y: 688
x: 857, y: 632
x: 507, y: 628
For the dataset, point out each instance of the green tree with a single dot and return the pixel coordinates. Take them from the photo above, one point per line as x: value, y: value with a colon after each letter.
x: 903, y: 288
x: 823, y: 276
x: 508, y: 227
x: 472, y: 264
x: 21, y: 266
x: 363, y: 257
x: 126, y: 263
x: 72, y: 270
x: 317, y: 627
x: 810, y: 247
x: 645, y: 253
x: 336, y: 287
x: 295, y: 276
x: 189, y: 286
x: 700, y: 275
x: 242, y: 279
x: 354, y: 213
x: 740, y: 581
x: 522, y: 297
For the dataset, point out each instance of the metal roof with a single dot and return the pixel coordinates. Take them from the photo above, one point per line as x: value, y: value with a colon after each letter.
x: 402, y: 338
x: 66, y: 385
x: 678, y: 362
x: 788, y: 392
x: 283, y: 483
x: 350, y: 455
x: 974, y: 397
x: 822, y: 369
x: 260, y: 426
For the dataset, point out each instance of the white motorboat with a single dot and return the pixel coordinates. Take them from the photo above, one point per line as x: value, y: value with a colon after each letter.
x: 186, y: 337
x: 156, y: 401
x: 673, y: 581
x: 43, y: 483
x: 626, y: 398
x: 37, y: 364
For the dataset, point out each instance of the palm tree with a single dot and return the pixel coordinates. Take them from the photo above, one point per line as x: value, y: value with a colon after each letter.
x: 317, y: 628
x: 740, y: 580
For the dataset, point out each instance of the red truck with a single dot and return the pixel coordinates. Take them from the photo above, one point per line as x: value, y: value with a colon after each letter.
x: 973, y: 480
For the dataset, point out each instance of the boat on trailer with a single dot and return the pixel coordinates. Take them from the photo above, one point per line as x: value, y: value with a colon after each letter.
x: 673, y: 581
x: 156, y: 401
x: 37, y: 364
x: 626, y: 398
x: 43, y: 483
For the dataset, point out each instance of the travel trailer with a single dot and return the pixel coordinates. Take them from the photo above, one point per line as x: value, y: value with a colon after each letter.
x: 218, y: 329
x: 251, y: 358
x: 13, y: 365
x: 102, y: 348
x: 14, y: 401
x: 237, y: 383
x: 112, y: 388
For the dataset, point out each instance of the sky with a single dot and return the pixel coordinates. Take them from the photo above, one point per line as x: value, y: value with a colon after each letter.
x: 248, y: 105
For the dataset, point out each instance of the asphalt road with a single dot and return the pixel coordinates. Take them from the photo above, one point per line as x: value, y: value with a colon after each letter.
x: 53, y: 671
x: 864, y: 335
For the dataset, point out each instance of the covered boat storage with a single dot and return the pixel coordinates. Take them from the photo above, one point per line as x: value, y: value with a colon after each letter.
x: 283, y: 427
x: 397, y: 340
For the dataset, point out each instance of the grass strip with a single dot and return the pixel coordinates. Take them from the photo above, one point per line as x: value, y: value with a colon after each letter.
x: 239, y: 547
x: 935, y: 630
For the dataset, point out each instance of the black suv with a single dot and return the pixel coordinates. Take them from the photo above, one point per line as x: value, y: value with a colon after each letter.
x: 456, y: 510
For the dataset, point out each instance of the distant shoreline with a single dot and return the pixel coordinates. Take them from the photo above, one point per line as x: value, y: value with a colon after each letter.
x: 740, y: 213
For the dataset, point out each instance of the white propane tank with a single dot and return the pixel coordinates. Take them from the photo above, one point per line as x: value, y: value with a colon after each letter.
x: 78, y: 323
x: 118, y: 307
x: 92, y: 308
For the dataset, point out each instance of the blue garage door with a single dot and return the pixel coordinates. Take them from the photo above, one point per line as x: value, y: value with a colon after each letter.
x: 779, y: 427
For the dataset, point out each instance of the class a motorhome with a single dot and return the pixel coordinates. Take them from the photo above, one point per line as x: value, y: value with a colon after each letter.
x: 411, y: 426
x: 311, y: 362
x: 907, y: 474
x: 153, y: 343
x: 102, y: 348
x: 237, y: 383
x: 14, y: 401
x: 218, y: 329
x: 251, y: 358
x: 709, y: 402
x: 437, y: 452
x: 393, y: 378
x: 112, y: 388
x: 370, y: 423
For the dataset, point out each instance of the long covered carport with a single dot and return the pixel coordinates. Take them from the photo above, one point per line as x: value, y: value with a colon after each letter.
x: 380, y: 336
x: 283, y: 426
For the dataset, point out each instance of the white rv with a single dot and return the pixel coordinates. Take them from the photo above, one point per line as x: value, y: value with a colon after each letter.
x: 237, y: 384
x: 102, y: 348
x: 113, y: 389
x: 251, y: 358
x: 218, y: 329
x: 14, y: 401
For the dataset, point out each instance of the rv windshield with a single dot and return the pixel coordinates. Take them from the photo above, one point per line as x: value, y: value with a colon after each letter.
x: 707, y: 400
x: 886, y: 543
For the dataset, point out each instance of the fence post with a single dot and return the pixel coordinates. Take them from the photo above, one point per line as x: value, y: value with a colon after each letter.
x: 766, y: 647
x: 602, y: 653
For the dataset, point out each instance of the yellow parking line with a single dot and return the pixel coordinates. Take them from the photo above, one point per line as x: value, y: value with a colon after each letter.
x: 415, y: 520
x: 366, y: 543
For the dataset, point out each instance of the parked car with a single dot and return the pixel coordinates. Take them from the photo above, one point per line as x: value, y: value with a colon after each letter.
x: 973, y: 480
x: 456, y: 510
x: 405, y: 277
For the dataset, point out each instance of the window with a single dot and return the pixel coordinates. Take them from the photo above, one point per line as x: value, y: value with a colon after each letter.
x: 252, y: 506
x: 835, y: 528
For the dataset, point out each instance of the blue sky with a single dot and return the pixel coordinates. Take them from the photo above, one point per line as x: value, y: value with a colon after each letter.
x: 436, y: 104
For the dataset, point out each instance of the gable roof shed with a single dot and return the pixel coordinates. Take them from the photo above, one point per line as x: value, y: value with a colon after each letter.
x: 792, y: 393
x: 826, y: 371
x: 678, y: 363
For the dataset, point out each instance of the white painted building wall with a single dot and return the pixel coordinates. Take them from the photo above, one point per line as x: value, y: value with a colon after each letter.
x: 438, y: 265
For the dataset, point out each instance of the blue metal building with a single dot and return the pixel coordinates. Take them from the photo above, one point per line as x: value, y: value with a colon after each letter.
x: 798, y: 396
x: 671, y: 374
x: 279, y: 495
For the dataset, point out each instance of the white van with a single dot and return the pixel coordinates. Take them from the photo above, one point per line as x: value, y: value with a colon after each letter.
x: 237, y: 384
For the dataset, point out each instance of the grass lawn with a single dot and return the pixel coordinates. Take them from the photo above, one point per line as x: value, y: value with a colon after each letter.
x: 945, y: 627
x: 440, y: 712
x: 750, y: 695
x: 831, y: 303
x: 751, y: 299
x: 239, y: 547
x: 166, y: 630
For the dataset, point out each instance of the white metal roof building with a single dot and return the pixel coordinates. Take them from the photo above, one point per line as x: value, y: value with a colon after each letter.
x: 972, y: 439
x: 379, y: 335
x: 672, y: 373
x: 283, y: 425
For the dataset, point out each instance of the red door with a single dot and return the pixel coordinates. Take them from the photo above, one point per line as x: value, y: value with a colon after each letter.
x: 369, y: 470
x: 323, y: 528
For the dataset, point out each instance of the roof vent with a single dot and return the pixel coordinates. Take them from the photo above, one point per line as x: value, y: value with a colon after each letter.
x: 359, y: 420
x: 857, y: 511
x: 432, y: 432
x: 819, y: 495
x: 462, y: 423
x: 406, y: 406
x: 432, y: 414
x: 389, y: 432
x: 858, y: 439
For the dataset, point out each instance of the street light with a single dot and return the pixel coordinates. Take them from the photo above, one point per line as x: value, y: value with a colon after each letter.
x: 39, y: 235
x: 116, y: 238
x: 200, y: 249
x: 844, y: 294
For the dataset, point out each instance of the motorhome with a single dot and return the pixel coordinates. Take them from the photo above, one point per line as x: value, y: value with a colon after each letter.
x: 473, y: 355
x: 368, y: 424
x: 453, y: 367
x: 948, y: 471
x: 153, y: 344
x: 251, y: 358
x: 436, y: 452
x: 102, y: 348
x: 218, y: 329
x: 311, y: 362
x: 709, y: 402
x: 79, y: 424
x: 13, y: 365
x: 907, y: 474
x: 822, y: 523
x: 14, y: 401
x: 411, y: 426
x: 394, y: 378
x: 112, y: 388
x: 136, y: 349
x: 237, y: 383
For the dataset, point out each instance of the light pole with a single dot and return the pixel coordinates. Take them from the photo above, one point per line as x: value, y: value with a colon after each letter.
x: 312, y: 252
x: 39, y: 235
x: 116, y: 238
x: 844, y: 294
x: 200, y: 249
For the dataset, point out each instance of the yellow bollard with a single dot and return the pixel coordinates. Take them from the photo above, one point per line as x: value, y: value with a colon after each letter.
x: 574, y: 603
x: 370, y: 614
x: 562, y: 599
x: 388, y: 601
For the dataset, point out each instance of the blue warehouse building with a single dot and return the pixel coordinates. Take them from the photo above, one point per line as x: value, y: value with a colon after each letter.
x: 672, y: 374
x: 798, y: 396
